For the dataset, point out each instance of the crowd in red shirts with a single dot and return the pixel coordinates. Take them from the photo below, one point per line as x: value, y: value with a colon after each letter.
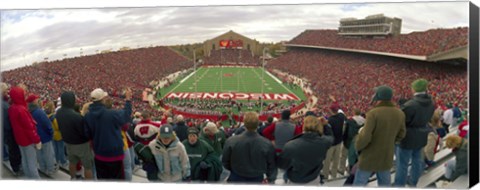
x: 351, y: 77
x: 416, y: 43
x: 112, y: 72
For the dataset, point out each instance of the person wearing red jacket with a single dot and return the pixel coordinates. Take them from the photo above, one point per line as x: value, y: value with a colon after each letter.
x: 25, y: 132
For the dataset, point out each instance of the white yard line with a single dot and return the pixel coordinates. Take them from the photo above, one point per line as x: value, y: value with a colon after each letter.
x: 279, y: 82
x: 181, y: 83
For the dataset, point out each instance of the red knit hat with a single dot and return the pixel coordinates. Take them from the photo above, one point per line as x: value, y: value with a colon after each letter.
x: 32, y: 97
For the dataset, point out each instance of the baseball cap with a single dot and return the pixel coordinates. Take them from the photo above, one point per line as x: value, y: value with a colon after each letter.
x: 166, y: 131
x: 98, y: 94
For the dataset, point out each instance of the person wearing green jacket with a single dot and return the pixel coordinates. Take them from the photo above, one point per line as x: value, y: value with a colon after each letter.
x: 204, y: 164
x: 214, y: 137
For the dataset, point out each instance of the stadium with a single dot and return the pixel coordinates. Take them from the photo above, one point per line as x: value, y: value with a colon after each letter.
x: 236, y: 74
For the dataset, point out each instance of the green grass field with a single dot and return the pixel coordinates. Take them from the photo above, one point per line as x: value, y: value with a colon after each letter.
x: 231, y: 79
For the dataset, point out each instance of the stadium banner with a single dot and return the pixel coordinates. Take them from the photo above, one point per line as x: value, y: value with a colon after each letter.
x: 231, y: 95
x: 262, y: 117
x: 231, y: 43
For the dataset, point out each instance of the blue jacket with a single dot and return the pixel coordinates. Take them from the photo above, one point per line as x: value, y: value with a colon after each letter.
x: 44, y: 125
x: 5, y: 120
x: 103, y: 126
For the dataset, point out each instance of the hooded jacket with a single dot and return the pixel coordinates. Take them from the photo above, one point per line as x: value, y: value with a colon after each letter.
x: 44, y: 125
x: 70, y: 122
x: 21, y: 120
x: 104, y: 126
x: 303, y: 156
x: 418, y: 113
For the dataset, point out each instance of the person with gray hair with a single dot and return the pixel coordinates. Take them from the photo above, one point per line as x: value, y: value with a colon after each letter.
x: 214, y: 137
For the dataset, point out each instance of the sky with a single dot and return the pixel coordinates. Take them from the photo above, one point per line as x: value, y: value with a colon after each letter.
x: 51, y: 32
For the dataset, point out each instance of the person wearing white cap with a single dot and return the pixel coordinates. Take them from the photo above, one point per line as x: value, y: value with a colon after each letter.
x: 103, y: 127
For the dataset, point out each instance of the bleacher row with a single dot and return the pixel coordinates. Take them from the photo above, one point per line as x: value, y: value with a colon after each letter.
x: 416, y: 43
x: 110, y: 71
x: 351, y: 77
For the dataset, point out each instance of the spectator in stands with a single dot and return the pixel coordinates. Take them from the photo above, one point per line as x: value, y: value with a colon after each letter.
x: 127, y: 161
x: 464, y: 127
x: 302, y: 165
x: 170, y: 156
x: 280, y: 133
x: 336, y: 121
x: 146, y: 130
x: 46, y: 155
x: 448, y: 118
x: 8, y: 136
x: 204, y: 165
x: 213, y: 137
x: 418, y: 112
x: 103, y: 127
x: 384, y: 125
x: 249, y: 156
x: 459, y: 166
x: 70, y: 124
x: 58, y: 144
x: 265, y: 125
x: 352, y: 126
x: 180, y: 128
x: 433, y: 139
x: 24, y: 131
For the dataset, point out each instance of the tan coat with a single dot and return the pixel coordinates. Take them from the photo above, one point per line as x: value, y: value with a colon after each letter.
x: 429, y: 150
x: 384, y: 126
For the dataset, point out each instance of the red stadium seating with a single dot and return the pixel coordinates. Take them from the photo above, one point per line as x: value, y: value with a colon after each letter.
x: 111, y: 72
x: 351, y: 77
x: 415, y: 43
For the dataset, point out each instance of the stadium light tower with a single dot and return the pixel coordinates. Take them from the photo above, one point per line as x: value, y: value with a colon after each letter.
x: 195, y: 71
x: 263, y: 72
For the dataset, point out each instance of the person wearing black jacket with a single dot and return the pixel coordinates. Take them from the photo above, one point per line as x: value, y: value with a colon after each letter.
x: 70, y: 124
x: 14, y: 155
x: 418, y: 112
x: 181, y: 129
x: 249, y: 156
x: 336, y: 121
x: 303, y: 165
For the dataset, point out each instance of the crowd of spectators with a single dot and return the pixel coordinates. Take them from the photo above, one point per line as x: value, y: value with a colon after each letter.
x: 351, y: 77
x: 112, y: 72
x: 231, y: 56
x: 416, y: 43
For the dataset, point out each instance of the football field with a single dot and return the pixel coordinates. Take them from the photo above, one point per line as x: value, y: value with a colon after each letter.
x: 240, y: 81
